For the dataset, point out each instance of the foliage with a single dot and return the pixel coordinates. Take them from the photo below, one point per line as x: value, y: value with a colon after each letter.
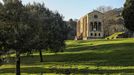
x: 30, y: 27
x: 113, y: 22
x: 128, y: 14
x: 71, y: 28
x: 104, y: 9
x: 51, y: 28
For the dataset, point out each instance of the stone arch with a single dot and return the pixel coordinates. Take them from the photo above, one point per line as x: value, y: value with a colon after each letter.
x: 99, y: 26
x: 91, y: 34
x: 95, y: 34
x: 99, y: 34
x: 95, y: 26
x: 91, y: 26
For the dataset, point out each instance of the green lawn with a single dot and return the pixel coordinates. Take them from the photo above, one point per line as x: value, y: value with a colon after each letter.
x: 92, y: 57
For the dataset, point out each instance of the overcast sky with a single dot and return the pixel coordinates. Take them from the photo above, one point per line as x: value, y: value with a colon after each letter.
x: 76, y: 8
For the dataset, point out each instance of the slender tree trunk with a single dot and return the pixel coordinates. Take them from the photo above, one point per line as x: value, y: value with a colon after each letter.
x: 41, y: 57
x: 17, y: 63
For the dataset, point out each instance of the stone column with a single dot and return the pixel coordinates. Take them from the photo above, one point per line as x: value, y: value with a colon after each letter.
x: 78, y: 28
x: 97, y: 26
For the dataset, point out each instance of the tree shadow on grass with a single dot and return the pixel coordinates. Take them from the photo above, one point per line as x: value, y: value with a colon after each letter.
x: 119, y: 55
x: 112, y: 54
x: 34, y: 70
x: 101, y: 55
x: 107, y: 47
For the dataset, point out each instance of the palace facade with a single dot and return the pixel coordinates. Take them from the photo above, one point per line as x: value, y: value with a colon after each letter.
x: 90, y: 26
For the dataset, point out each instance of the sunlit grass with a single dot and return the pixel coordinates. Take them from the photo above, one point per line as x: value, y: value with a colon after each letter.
x: 93, y: 57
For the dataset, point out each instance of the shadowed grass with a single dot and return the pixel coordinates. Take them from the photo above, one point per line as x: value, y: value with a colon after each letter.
x: 100, y: 57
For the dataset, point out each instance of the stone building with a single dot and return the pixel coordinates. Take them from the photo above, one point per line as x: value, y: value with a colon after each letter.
x: 90, y: 26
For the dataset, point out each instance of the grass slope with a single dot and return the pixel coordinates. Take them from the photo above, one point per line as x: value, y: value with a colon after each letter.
x: 114, y: 36
x: 92, y: 57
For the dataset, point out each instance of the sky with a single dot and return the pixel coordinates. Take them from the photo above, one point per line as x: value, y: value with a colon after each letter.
x: 76, y: 8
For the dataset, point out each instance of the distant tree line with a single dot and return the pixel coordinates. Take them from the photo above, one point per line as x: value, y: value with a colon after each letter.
x: 113, y: 22
x: 72, y: 25
x: 119, y: 19
x: 104, y: 9
x: 31, y: 27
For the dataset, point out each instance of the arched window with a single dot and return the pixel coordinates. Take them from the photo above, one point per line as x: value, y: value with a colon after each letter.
x: 99, y: 26
x: 95, y: 16
x: 95, y: 34
x: 91, y: 26
x: 95, y: 26
x: 99, y: 34
x: 91, y: 34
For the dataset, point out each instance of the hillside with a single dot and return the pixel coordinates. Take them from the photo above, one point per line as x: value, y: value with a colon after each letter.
x: 94, y: 57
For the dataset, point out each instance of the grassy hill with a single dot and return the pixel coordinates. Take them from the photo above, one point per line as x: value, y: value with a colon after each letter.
x: 92, y: 57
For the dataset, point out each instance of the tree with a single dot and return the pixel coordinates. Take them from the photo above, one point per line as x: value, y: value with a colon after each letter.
x: 113, y: 22
x: 104, y: 9
x: 71, y: 28
x: 52, y: 30
x: 17, y: 29
x: 58, y: 33
x: 128, y: 14
x: 37, y: 11
x: 31, y: 27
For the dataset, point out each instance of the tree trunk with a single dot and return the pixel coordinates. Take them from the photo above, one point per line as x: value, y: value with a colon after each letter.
x: 17, y: 63
x: 41, y: 57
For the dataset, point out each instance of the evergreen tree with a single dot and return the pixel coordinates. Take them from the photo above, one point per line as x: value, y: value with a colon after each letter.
x: 39, y: 12
x: 31, y: 27
x: 128, y: 14
x: 52, y: 29
x: 17, y: 29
